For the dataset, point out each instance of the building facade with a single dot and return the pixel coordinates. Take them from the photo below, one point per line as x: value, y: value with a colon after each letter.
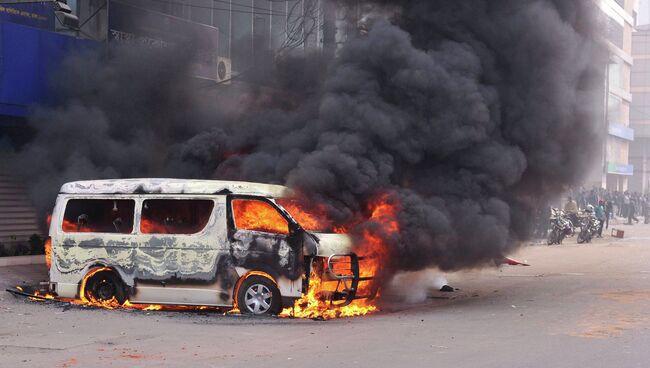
x: 248, y: 30
x: 640, y: 110
x: 614, y: 168
x: 34, y: 38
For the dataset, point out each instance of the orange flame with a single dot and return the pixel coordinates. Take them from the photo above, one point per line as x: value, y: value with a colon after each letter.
x: 148, y: 226
x: 259, y: 216
x: 48, y: 245
x: 87, y: 300
x: 48, y: 253
x: 72, y: 227
x: 311, y: 218
x: 373, y: 251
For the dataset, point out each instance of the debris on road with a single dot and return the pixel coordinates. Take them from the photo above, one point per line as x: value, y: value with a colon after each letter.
x: 447, y: 289
x: 512, y: 262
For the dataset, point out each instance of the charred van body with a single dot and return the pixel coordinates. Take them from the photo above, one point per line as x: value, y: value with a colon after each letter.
x: 189, y: 242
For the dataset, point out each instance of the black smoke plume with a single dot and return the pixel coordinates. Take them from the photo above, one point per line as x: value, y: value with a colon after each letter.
x: 468, y: 113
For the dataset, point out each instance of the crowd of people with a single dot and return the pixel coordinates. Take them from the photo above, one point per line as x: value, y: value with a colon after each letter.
x: 614, y: 203
x: 605, y: 206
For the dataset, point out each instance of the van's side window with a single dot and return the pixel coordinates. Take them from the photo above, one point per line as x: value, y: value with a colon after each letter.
x: 258, y: 216
x: 175, y: 216
x: 98, y: 216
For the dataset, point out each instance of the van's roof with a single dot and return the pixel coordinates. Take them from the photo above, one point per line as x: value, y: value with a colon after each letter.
x: 174, y: 186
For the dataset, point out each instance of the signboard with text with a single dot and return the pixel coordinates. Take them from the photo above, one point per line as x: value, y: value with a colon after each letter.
x: 38, y: 14
x: 620, y: 169
x: 621, y: 131
x: 128, y: 24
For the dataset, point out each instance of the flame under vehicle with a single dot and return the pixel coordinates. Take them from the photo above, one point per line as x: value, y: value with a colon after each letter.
x: 192, y: 242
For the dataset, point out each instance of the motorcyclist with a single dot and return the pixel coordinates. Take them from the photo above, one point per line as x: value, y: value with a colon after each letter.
x: 571, y: 210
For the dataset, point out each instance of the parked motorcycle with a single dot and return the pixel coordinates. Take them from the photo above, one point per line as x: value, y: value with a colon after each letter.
x: 560, y: 227
x: 589, y: 226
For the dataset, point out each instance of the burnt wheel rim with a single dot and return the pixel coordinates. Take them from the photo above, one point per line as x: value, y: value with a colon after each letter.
x: 258, y: 299
x: 105, y: 290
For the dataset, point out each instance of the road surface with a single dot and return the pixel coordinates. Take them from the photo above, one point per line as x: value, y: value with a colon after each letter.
x: 576, y: 306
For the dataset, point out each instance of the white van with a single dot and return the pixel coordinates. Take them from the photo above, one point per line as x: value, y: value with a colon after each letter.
x: 191, y: 242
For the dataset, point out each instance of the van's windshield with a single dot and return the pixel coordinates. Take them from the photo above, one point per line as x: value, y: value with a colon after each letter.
x: 312, y: 218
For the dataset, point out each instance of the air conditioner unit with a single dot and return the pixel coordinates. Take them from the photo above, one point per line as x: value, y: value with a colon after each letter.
x: 65, y: 21
x: 224, y: 70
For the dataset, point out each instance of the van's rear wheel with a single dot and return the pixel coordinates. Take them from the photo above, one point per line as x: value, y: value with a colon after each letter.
x: 258, y: 295
x: 105, y: 286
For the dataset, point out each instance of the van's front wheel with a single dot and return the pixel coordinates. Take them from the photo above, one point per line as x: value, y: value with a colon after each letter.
x: 258, y: 295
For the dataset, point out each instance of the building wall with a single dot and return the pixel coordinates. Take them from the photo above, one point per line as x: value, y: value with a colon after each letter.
x: 614, y: 163
x: 640, y: 109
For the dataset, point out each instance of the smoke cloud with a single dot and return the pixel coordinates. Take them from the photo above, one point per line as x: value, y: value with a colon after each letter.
x: 415, y: 287
x: 468, y: 114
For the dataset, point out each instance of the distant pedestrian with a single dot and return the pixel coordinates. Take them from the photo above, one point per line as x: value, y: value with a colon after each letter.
x: 609, y: 209
x: 599, y: 212
x: 626, y: 206
x: 631, y: 212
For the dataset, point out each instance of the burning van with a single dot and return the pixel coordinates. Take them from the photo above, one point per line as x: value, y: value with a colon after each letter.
x: 192, y: 242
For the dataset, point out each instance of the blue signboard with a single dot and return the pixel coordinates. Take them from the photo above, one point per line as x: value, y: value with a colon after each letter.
x: 39, y: 14
x: 28, y: 58
x: 621, y: 131
x: 128, y: 24
x: 620, y: 169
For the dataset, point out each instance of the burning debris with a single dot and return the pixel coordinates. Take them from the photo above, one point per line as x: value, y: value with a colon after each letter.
x: 429, y: 138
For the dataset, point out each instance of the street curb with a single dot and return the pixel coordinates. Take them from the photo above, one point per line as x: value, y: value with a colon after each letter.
x: 22, y: 260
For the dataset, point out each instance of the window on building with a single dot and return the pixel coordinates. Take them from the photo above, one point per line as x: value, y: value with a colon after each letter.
x: 201, y: 11
x: 312, y: 22
x: 175, y: 216
x: 159, y: 6
x: 221, y: 20
x: 615, y: 32
x: 98, y: 216
x: 261, y: 25
x: 178, y: 8
x: 74, y: 6
x: 640, y: 108
x: 242, y: 33
x: 614, y: 110
x: 640, y: 79
x: 295, y: 23
x: 615, y: 73
x: 642, y: 65
x: 258, y: 216
x: 278, y: 24
x: 641, y: 43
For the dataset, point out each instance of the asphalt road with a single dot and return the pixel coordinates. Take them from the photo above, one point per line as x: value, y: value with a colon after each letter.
x: 576, y: 306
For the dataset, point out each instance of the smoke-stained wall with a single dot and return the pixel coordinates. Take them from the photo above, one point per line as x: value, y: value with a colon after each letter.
x: 467, y: 114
